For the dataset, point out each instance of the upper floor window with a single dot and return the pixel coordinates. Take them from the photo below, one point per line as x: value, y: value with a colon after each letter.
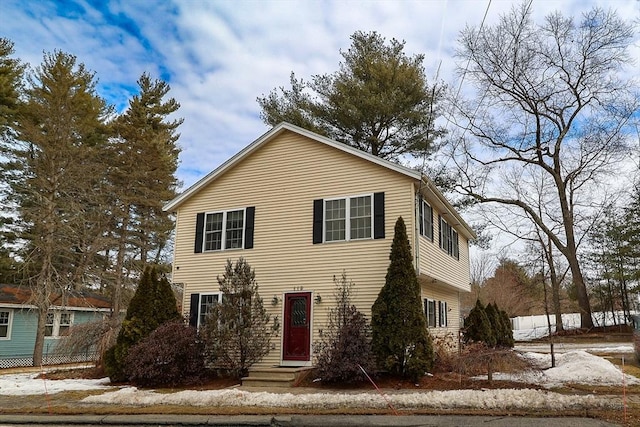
x: 449, y: 239
x: 348, y: 218
x: 233, y: 229
x: 5, y: 324
x: 426, y: 220
x: 224, y: 230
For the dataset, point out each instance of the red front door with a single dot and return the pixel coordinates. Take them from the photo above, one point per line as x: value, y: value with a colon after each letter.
x: 297, y: 326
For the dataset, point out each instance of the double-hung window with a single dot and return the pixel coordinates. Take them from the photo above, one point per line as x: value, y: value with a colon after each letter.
x: 48, y: 327
x: 206, y: 304
x: 442, y: 314
x: 426, y: 220
x: 58, y: 323
x: 348, y: 219
x: 5, y: 324
x: 449, y: 239
x: 222, y: 230
x: 430, y: 312
x: 65, y: 324
x: 357, y: 217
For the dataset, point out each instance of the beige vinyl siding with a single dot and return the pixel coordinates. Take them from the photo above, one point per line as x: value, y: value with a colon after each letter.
x: 434, y: 262
x: 443, y: 293
x: 281, y: 179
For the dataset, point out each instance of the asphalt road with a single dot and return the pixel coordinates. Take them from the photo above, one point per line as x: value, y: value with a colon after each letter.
x: 295, y: 420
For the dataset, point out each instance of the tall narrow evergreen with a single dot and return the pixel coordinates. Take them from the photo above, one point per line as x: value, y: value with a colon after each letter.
x: 152, y: 305
x: 400, y: 339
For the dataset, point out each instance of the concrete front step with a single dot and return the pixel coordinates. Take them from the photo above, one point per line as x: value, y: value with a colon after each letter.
x: 274, y: 376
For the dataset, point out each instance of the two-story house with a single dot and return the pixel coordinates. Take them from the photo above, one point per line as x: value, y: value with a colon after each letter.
x: 301, y: 209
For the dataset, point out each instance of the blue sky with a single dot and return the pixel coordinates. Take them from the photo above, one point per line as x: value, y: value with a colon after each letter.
x: 219, y: 56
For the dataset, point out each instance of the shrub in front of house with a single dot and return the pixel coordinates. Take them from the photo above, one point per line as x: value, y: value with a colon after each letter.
x: 400, y: 339
x: 152, y: 305
x: 345, y: 345
x: 171, y: 356
x: 237, y: 331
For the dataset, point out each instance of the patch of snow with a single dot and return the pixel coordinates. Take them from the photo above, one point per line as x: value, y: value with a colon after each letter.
x: 450, y: 399
x: 28, y: 384
x: 574, y: 367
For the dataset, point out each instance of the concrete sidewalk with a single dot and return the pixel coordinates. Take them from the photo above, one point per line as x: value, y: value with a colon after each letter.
x: 296, y: 420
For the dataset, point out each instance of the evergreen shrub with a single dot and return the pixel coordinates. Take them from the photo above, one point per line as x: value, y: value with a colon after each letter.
x: 400, y: 339
x: 152, y: 305
x: 477, y: 326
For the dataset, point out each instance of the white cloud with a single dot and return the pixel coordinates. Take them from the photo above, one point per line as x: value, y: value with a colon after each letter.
x: 219, y: 56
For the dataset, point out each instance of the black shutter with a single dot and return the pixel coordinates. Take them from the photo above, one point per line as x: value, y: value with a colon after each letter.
x: 199, y: 232
x: 193, y: 310
x: 378, y: 215
x: 250, y: 215
x: 440, y: 230
x: 421, y: 216
x: 318, y: 206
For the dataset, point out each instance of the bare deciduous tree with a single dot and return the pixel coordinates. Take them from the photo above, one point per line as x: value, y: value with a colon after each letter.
x: 551, y: 98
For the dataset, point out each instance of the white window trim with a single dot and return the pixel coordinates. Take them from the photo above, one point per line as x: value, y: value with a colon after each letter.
x: 219, y: 294
x: 442, y: 314
x: 223, y: 243
x: 10, y: 322
x: 57, y: 317
x: 347, y: 217
x: 426, y: 312
x: 424, y: 225
x: 454, y: 238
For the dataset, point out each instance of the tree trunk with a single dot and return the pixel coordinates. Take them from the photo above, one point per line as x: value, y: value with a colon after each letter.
x: 38, y: 347
x: 586, y: 322
x: 119, y: 269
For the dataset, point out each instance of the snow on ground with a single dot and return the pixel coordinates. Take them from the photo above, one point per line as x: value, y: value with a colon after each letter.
x: 572, y: 367
x: 27, y: 384
x: 450, y: 399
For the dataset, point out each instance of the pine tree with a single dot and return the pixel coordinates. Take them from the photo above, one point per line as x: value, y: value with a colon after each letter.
x: 237, y: 332
x: 478, y: 327
x: 378, y: 101
x: 144, y: 156
x: 10, y: 87
x: 400, y: 339
x: 152, y: 305
x: 57, y: 136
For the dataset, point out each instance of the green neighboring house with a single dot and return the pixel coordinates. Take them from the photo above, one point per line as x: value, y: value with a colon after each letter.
x: 19, y: 320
